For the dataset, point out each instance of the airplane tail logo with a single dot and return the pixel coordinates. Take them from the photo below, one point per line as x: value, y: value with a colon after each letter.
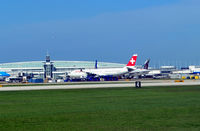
x: 132, y: 61
x: 146, y: 64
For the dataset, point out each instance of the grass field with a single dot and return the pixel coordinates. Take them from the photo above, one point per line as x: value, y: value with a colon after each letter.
x: 148, y: 108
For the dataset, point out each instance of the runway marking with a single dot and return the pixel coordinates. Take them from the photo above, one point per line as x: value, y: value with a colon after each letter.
x: 90, y: 86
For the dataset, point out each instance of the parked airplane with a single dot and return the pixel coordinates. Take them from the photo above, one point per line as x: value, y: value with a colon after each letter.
x: 140, y: 71
x: 114, y: 72
x: 78, y: 74
x: 3, y: 75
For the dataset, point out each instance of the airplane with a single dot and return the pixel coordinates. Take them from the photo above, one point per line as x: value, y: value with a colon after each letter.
x: 77, y: 74
x: 3, y: 75
x: 140, y: 71
x: 97, y: 72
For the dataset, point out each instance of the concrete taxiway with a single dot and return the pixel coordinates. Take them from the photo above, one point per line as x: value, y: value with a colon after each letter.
x: 100, y: 85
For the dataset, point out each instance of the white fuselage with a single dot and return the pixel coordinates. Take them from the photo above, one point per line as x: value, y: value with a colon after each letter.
x: 77, y: 74
x: 108, y: 71
x: 139, y: 72
x: 115, y: 72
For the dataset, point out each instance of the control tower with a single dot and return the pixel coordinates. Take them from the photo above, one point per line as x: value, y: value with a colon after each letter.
x: 48, y: 68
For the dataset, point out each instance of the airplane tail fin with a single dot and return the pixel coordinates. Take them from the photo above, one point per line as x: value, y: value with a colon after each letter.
x: 146, y: 64
x: 95, y: 64
x: 132, y: 61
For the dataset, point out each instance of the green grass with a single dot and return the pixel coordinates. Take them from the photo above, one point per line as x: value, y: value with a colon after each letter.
x: 148, y: 108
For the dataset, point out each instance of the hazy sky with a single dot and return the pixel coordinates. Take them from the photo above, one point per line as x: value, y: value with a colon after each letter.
x: 107, y: 30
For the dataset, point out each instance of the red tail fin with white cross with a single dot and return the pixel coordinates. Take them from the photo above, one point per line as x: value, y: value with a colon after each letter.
x: 132, y: 61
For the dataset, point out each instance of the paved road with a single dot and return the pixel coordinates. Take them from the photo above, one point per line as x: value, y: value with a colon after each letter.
x: 100, y: 85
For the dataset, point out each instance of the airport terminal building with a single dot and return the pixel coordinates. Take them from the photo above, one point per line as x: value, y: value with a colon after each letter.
x: 58, y: 68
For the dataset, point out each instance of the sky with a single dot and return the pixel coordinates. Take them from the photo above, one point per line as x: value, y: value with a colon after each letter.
x: 166, y: 31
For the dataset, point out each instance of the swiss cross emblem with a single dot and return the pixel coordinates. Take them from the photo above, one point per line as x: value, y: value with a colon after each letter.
x: 132, y: 61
